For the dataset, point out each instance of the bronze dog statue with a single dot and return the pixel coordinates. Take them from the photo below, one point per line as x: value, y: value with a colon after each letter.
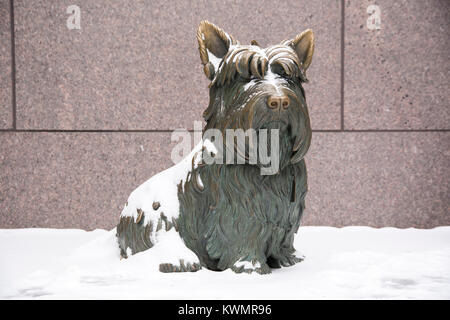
x: 230, y: 215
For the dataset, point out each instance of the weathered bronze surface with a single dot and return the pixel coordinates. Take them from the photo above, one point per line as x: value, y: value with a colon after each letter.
x: 236, y: 217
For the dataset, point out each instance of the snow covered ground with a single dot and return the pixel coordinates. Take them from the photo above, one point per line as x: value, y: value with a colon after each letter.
x: 351, y: 262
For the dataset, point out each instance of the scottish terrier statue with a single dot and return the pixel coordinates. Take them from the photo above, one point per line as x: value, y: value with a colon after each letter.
x: 230, y: 215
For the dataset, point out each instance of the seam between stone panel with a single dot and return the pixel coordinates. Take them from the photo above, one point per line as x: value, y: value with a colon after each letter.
x: 13, y: 65
x: 382, y: 130
x: 169, y: 131
x: 98, y: 131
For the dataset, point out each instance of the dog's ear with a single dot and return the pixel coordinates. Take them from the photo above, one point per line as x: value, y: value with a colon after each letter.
x: 213, y: 45
x: 303, y: 44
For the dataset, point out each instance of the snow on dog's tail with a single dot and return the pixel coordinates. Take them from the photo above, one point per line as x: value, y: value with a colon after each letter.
x: 150, y: 217
x: 134, y: 236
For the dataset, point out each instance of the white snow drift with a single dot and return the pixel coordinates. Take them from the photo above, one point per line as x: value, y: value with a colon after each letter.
x: 351, y: 262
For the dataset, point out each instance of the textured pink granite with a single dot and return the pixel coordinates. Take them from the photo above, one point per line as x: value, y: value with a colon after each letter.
x: 82, y: 180
x: 379, y: 179
x: 6, y: 117
x: 398, y: 77
x: 74, y: 180
x: 135, y: 64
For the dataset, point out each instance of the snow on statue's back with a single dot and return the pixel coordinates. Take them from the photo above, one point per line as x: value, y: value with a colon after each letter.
x: 151, y: 214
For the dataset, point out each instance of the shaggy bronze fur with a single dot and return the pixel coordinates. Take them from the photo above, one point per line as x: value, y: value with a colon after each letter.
x: 231, y: 215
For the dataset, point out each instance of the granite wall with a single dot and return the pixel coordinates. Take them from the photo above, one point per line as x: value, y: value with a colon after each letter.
x: 86, y: 114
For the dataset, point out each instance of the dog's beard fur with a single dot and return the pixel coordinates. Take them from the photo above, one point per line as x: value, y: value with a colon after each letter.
x: 285, y: 143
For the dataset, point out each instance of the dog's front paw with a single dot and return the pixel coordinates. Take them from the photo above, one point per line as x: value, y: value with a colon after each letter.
x: 250, y: 267
x: 286, y: 260
x: 181, y: 266
x: 290, y: 260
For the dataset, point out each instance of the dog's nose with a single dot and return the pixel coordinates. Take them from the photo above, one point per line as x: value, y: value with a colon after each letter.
x: 278, y: 102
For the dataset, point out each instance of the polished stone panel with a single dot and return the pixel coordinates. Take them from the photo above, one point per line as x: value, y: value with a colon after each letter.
x: 379, y: 179
x: 398, y: 77
x: 82, y: 180
x: 6, y: 116
x: 135, y: 64
x: 74, y: 180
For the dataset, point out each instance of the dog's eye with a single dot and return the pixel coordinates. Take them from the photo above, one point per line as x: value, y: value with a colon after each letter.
x: 277, y: 69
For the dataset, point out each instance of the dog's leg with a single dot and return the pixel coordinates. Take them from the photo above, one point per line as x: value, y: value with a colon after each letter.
x: 284, y: 260
x: 237, y: 243
x: 251, y: 253
x: 134, y: 236
x: 283, y: 253
x: 179, y: 257
x: 286, y: 254
x: 249, y: 265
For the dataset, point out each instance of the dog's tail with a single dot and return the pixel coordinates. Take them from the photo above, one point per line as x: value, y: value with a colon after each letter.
x: 133, y: 236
